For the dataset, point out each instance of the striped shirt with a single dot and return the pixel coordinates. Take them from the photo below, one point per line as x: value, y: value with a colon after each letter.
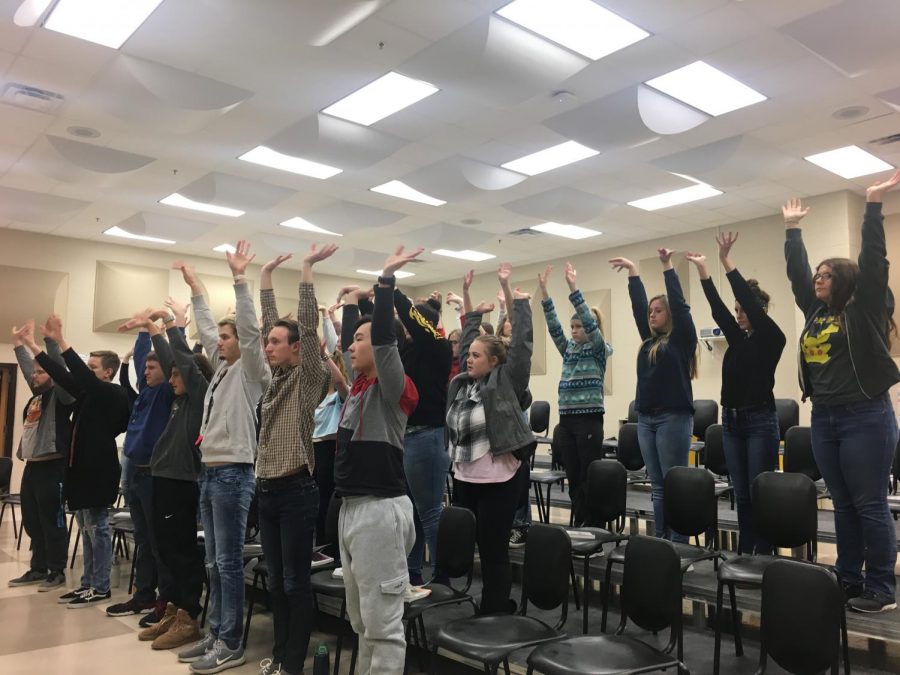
x: 286, y: 428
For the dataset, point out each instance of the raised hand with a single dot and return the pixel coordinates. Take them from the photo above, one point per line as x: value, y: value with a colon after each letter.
x: 354, y: 296
x: 398, y: 260
x: 24, y: 334
x: 52, y: 328
x: 319, y: 255
x: 276, y: 261
x: 241, y: 257
x: 468, y: 277
x: 874, y: 192
x: 571, y: 277
x: 697, y: 258
x: 725, y: 241
x: 484, y: 308
x: 620, y: 264
x: 344, y: 291
x: 178, y: 309
x: 504, y: 272
x: 501, y: 298
x: 454, y: 300
x: 137, y: 320
x: 542, y: 278
x: 189, y: 275
x: 793, y: 212
x: 519, y: 294
x: 333, y: 308
x: 665, y: 255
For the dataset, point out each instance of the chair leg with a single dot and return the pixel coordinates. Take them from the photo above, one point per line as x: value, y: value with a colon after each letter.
x: 353, y: 655
x: 587, y: 594
x: 574, y: 584
x: 736, y: 622
x: 607, y: 584
x: 845, y: 645
x: 75, y: 549
x: 340, y: 640
x: 250, y: 602
x: 717, y: 651
x: 506, y: 666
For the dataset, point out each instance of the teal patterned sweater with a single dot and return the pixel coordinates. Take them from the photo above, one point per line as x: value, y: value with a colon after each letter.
x: 584, y: 364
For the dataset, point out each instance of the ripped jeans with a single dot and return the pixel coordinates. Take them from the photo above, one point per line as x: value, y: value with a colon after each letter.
x: 225, y: 495
x: 97, y: 546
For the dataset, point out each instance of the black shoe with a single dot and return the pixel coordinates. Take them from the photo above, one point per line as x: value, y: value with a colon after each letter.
x: 29, y: 578
x: 852, y: 591
x: 518, y: 537
x: 71, y: 595
x: 153, y: 617
x: 92, y: 597
x: 53, y: 580
x: 872, y: 603
x: 131, y: 606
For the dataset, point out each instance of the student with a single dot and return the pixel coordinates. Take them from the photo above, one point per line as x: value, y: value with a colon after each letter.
x: 174, y: 468
x: 580, y: 434
x: 750, y: 426
x: 92, y: 477
x: 847, y: 370
x: 376, y: 530
x: 149, y: 416
x: 426, y: 357
x: 666, y: 364
x: 488, y: 435
x: 46, y: 437
x: 287, y: 493
x: 228, y: 447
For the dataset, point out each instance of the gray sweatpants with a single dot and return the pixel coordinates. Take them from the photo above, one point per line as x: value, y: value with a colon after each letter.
x: 376, y: 535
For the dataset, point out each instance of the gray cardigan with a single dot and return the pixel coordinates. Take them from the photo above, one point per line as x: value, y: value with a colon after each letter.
x: 504, y: 390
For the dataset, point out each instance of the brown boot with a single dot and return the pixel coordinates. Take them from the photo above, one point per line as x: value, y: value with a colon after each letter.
x: 160, y: 627
x: 184, y: 631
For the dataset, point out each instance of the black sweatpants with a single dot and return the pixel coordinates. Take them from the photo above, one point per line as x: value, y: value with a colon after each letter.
x: 580, y: 438
x: 44, y: 514
x: 494, y: 505
x: 175, y: 526
x: 324, y: 476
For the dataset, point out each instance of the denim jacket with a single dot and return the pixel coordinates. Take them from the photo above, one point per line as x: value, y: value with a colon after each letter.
x: 505, y: 388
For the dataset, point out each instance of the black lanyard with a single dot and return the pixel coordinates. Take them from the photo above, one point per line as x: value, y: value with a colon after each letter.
x: 212, y: 393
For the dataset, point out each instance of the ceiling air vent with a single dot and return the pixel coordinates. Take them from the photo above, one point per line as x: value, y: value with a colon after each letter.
x: 524, y: 232
x: 886, y: 140
x: 32, y: 98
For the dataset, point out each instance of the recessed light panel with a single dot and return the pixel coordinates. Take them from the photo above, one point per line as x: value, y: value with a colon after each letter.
x: 567, y: 231
x: 580, y: 25
x: 224, y: 248
x: 119, y: 232
x: 273, y: 159
x: 298, y: 223
x: 183, y: 202
x: 105, y: 22
x: 400, y: 274
x: 706, y: 88
x: 466, y: 254
x: 383, y: 97
x: 675, y: 197
x: 550, y: 158
x: 849, y: 162
x: 396, y: 188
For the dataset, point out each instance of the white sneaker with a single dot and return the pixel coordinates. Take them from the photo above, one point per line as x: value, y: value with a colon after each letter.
x: 338, y: 573
x: 413, y: 593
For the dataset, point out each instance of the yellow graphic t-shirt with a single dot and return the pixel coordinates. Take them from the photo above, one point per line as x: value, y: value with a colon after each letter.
x: 826, y: 353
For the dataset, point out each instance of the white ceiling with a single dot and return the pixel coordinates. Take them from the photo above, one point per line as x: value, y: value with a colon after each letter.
x: 203, y: 81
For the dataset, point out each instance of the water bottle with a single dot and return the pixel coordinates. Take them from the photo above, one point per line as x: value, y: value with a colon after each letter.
x: 321, y: 661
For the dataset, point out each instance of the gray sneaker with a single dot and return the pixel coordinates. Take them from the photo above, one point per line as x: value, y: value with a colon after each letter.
x: 30, y: 577
x: 197, y: 650
x: 53, y: 580
x: 217, y: 659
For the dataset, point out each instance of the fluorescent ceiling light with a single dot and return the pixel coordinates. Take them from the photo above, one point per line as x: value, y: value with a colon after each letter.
x: 225, y: 248
x: 706, y: 88
x: 580, y: 25
x: 400, y: 274
x: 396, y: 188
x: 567, y: 231
x: 676, y: 197
x: 119, y: 232
x: 176, y: 199
x: 550, y: 158
x: 272, y: 158
x: 466, y: 254
x: 105, y: 22
x: 849, y: 162
x: 383, y: 97
x: 298, y: 223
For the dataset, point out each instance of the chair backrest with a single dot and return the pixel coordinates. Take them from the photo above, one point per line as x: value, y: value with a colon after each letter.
x: 632, y: 413
x: 706, y: 413
x: 784, y: 509
x: 332, y: 520
x: 456, y: 542
x: 628, y: 450
x: 651, y: 587
x: 802, y: 604
x: 548, y: 554
x: 605, y: 488
x: 798, y: 454
x: 6, y: 467
x: 539, y: 417
x: 714, y: 451
x: 689, y: 500
x: 788, y: 413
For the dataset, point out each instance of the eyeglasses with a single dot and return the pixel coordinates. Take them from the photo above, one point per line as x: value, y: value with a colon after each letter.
x: 824, y: 276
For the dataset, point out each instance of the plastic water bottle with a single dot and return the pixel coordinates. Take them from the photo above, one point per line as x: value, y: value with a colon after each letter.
x: 321, y: 661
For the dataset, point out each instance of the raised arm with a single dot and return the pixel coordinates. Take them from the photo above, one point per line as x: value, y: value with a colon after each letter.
x: 207, y: 329
x: 467, y: 283
x: 637, y: 293
x: 684, y: 333
x: 872, y: 283
x: 588, y: 322
x: 329, y: 334
x: 723, y: 318
x: 391, y: 376
x: 83, y: 377
x: 21, y: 335
x: 420, y: 329
x: 267, y: 295
x: 521, y: 346
x: 314, y: 372
x: 554, y: 327
x: 798, y: 270
x: 253, y: 359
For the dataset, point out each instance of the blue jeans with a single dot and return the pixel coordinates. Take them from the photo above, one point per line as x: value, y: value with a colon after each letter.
x: 853, y: 446
x: 96, y: 538
x: 750, y: 437
x: 425, y: 462
x: 665, y: 440
x: 225, y: 495
x: 288, y: 507
x: 522, y: 518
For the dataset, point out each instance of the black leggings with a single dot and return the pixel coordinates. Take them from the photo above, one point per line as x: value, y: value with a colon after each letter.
x: 580, y: 438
